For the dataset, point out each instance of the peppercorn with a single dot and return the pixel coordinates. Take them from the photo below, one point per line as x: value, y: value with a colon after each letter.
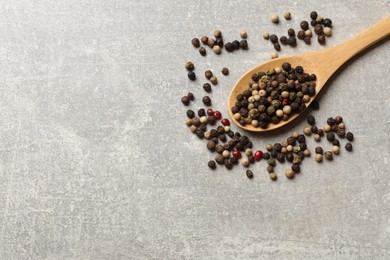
x: 314, y: 129
x: 266, y: 156
x: 319, y: 20
x: 214, y: 80
x: 219, y: 42
x: 307, y: 131
x: 271, y: 161
x: 327, y: 128
x: 185, y: 100
x: 311, y: 120
x: 274, y: 55
x: 201, y: 112
x: 270, y: 169
x: 202, y: 51
x: 338, y: 119
x: 249, y: 174
x: 304, y: 25
x: 284, y: 40
x: 327, y: 22
x: 307, y: 40
x: 207, y: 87
x: 277, y: 147
x: 318, y: 29
x: 191, y: 75
x: 212, y: 164
x: 291, y: 32
x: 331, y: 121
x: 301, y: 139
x: 314, y: 104
x: 206, y: 100
x: 274, y: 18
x: 341, y: 126
x: 306, y: 152
x: 229, y: 47
x: 189, y: 65
x: 219, y: 159
x: 190, y: 113
x: 266, y: 35
x: 296, y: 168
x: 208, y: 74
x: 244, y: 44
x: 328, y: 155
x: 301, y: 35
x: 340, y: 132
x: 245, y: 162
x: 211, y: 42
x: 217, y: 49
x: 287, y: 15
x: 217, y: 114
x: 280, y: 157
x: 319, y: 157
x: 313, y: 23
x: 319, y: 150
x: 317, y: 137
x: 243, y: 34
x: 348, y: 147
x: 292, y: 41
x: 277, y: 46
x: 273, y: 38
x: 313, y: 15
x: 327, y: 31
x: 289, y: 173
x: 195, y: 42
x: 330, y: 136
x: 321, y: 39
x: 336, y: 150
x: 349, y: 136
x: 269, y: 147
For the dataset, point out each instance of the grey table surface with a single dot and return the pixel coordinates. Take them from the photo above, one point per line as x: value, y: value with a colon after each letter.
x: 96, y: 162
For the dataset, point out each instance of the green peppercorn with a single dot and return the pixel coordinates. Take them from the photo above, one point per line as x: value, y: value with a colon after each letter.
x: 214, y: 80
x: 328, y: 155
x: 189, y: 65
x: 273, y: 176
x: 270, y: 169
x: 271, y: 161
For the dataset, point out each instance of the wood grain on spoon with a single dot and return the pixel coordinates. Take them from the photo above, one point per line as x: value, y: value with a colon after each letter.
x: 322, y: 63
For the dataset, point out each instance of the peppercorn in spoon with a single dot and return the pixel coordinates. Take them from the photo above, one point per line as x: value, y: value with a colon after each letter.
x: 281, y: 89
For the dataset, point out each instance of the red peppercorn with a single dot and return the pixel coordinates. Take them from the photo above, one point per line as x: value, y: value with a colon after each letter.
x: 285, y: 101
x: 225, y: 122
x: 217, y: 115
x: 237, y: 154
x: 210, y: 112
x: 258, y: 155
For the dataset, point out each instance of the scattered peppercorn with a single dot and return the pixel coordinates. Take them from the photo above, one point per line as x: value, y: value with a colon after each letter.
x: 185, y: 100
x: 274, y: 18
x: 217, y: 49
x: 211, y: 42
x: 229, y: 47
x: 243, y: 34
x: 336, y: 150
x: 292, y: 41
x: 304, y: 25
x: 289, y: 173
x: 214, y: 80
x: 206, y: 100
x: 296, y: 168
x: 301, y: 35
x: 319, y: 157
x: 349, y: 136
x: 307, y: 40
x: 202, y: 51
x: 273, y: 38
x: 287, y: 15
x: 330, y: 136
x: 321, y: 39
x: 273, y: 176
x: 277, y: 46
x: 208, y: 74
x: 212, y: 164
x: 189, y: 65
x: 284, y: 40
x: 191, y: 75
x: 319, y: 150
x: 266, y: 36
x: 327, y: 22
x: 225, y: 71
x: 244, y: 44
x: 348, y: 147
x: 249, y: 174
x: 207, y: 87
x: 217, y: 34
x: 311, y: 120
x: 327, y: 31
x: 291, y: 32
x: 328, y: 155
x: 195, y: 42
x: 313, y: 15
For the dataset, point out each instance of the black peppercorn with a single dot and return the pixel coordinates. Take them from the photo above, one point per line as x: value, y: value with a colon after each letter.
x: 190, y: 113
x: 349, y: 136
x: 307, y: 40
x: 249, y: 174
x: 201, y: 112
x: 273, y: 38
x: 331, y: 121
x: 338, y: 119
x: 206, y: 100
x: 284, y: 40
x: 277, y: 147
x: 225, y: 71
x: 313, y: 15
x: 313, y: 23
x: 301, y: 35
x: 229, y: 47
x: 280, y: 157
x: 191, y: 96
x: 251, y: 159
x: 244, y: 44
x: 296, y: 168
x: 314, y: 129
x: 208, y: 74
x: 286, y: 66
x: 185, y: 100
x: 236, y: 45
x: 266, y: 156
x: 318, y: 29
x: 211, y: 145
x: 292, y: 41
x: 291, y: 140
x: 311, y: 120
x: 274, y: 154
x: 348, y: 147
x: 314, y: 104
x: 222, y: 137
x: 336, y: 142
x: 191, y: 75
x: 219, y: 42
x: 304, y: 25
x: 277, y: 46
x: 319, y: 150
x: 228, y: 164
x: 234, y: 160
x: 212, y: 164
x: 327, y: 22
x: 291, y: 32
x: 321, y: 39
x: 242, y: 122
x: 320, y: 132
x: 340, y: 132
x: 195, y: 42
x: 207, y: 87
x: 330, y: 136
x: 301, y: 139
x: 202, y: 51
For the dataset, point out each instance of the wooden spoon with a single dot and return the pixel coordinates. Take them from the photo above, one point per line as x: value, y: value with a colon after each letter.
x: 322, y: 63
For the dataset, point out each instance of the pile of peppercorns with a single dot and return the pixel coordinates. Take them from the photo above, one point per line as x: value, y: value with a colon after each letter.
x: 217, y: 43
x: 322, y: 27
x: 274, y: 95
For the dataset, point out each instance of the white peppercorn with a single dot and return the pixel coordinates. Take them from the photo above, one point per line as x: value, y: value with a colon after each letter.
x: 188, y: 122
x: 289, y: 173
x: 308, y: 33
x: 266, y: 35
x: 327, y: 128
x: 226, y: 154
x: 245, y: 162
x: 248, y: 152
x: 287, y: 15
x: 274, y: 55
x: 336, y: 150
x: 327, y: 31
x: 307, y: 131
x: 318, y: 157
x: 243, y: 34
x: 217, y: 49
x: 274, y: 18
x: 317, y: 137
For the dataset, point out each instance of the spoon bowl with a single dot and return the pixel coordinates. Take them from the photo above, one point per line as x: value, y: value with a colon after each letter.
x: 322, y: 63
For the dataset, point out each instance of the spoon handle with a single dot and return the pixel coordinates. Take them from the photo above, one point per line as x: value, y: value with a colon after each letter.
x: 336, y: 56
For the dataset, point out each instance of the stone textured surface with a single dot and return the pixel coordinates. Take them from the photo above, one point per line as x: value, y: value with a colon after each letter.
x: 96, y: 162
